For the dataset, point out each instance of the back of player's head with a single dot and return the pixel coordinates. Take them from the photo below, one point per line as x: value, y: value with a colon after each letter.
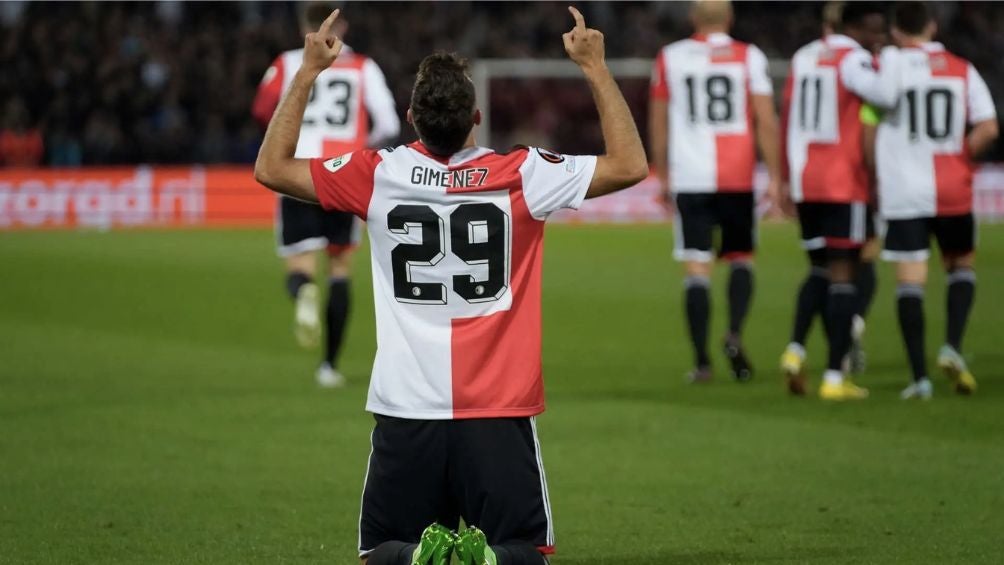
x: 855, y: 14
x: 833, y: 13
x: 716, y: 13
x: 442, y: 103
x: 313, y: 14
x: 911, y: 18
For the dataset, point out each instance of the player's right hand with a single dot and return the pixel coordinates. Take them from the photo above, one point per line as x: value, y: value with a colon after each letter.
x: 583, y: 45
x: 785, y: 204
x: 321, y: 47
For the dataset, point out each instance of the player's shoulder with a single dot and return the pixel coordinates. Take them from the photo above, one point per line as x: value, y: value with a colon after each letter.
x: 681, y: 45
x: 810, y: 48
x: 943, y: 61
x: 360, y: 159
x: 291, y: 54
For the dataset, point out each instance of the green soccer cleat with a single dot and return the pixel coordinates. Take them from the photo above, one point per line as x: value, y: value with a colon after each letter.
x: 435, y: 546
x: 472, y: 548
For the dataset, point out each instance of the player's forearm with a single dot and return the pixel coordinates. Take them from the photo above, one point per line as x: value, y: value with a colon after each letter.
x: 982, y: 137
x: 276, y: 166
x: 658, y: 138
x: 769, y: 140
x: 623, y: 144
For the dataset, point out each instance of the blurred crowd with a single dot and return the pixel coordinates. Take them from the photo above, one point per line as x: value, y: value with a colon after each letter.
x: 172, y: 82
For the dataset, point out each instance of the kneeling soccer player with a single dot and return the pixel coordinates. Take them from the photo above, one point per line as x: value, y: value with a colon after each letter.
x: 456, y: 234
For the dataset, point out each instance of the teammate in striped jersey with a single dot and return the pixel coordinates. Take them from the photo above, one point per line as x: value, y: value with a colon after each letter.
x: 350, y: 108
x: 924, y: 149
x: 812, y: 292
x: 456, y: 241
x: 711, y: 105
x: 829, y: 181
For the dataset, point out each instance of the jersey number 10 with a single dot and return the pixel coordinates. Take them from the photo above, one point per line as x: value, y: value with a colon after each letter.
x: 937, y: 125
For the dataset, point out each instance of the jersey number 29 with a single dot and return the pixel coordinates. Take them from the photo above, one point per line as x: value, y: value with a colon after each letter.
x: 478, y: 235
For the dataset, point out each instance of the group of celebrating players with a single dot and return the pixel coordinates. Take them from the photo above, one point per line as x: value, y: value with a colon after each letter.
x: 857, y: 115
x: 456, y: 235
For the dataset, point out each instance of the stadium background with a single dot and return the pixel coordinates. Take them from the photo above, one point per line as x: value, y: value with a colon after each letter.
x: 153, y: 407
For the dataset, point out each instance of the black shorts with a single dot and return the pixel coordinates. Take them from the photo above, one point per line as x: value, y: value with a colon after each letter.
x: 841, y: 229
x: 487, y: 471
x: 302, y: 226
x: 910, y: 240
x: 697, y: 215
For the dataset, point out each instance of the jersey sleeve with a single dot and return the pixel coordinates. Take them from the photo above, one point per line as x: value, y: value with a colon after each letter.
x: 659, y: 87
x: 879, y: 87
x: 345, y: 183
x: 269, y: 92
x: 552, y: 181
x: 979, y: 103
x: 380, y: 105
x: 756, y: 62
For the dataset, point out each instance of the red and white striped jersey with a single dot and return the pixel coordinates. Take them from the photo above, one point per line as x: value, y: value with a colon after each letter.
x: 821, y: 121
x: 707, y: 82
x: 456, y: 249
x: 923, y: 165
x: 345, y: 98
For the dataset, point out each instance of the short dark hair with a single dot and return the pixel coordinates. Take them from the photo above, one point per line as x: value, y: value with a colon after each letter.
x: 854, y: 13
x: 442, y: 103
x: 314, y: 14
x: 911, y: 17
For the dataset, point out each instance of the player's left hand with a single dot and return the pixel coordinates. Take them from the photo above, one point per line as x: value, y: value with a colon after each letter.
x: 321, y: 47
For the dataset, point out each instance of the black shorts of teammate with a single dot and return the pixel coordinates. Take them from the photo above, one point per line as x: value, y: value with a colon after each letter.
x: 302, y: 226
x: 487, y: 471
x: 910, y: 239
x: 697, y: 215
x: 839, y: 229
x: 871, y: 223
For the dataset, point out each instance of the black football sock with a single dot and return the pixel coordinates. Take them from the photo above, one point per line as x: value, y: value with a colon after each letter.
x: 518, y: 553
x: 961, y: 288
x: 698, y: 305
x: 865, y: 282
x: 839, y: 314
x: 811, y: 301
x: 740, y: 294
x: 392, y: 553
x: 336, y: 317
x: 910, y: 308
x: 295, y: 280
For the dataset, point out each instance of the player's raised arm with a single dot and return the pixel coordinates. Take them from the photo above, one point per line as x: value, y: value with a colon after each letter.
x: 624, y: 163
x: 276, y: 167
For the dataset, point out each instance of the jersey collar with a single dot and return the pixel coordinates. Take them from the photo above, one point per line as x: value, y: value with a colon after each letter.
x: 458, y: 158
x: 714, y: 38
x: 932, y: 46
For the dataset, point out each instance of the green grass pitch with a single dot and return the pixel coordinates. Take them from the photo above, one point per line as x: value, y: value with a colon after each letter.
x: 154, y: 409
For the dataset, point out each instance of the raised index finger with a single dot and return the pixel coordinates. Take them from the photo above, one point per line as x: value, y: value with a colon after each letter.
x: 580, y: 22
x: 326, y: 24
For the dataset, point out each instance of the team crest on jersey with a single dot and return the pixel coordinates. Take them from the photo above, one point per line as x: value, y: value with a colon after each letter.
x: 550, y: 156
x: 337, y: 163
